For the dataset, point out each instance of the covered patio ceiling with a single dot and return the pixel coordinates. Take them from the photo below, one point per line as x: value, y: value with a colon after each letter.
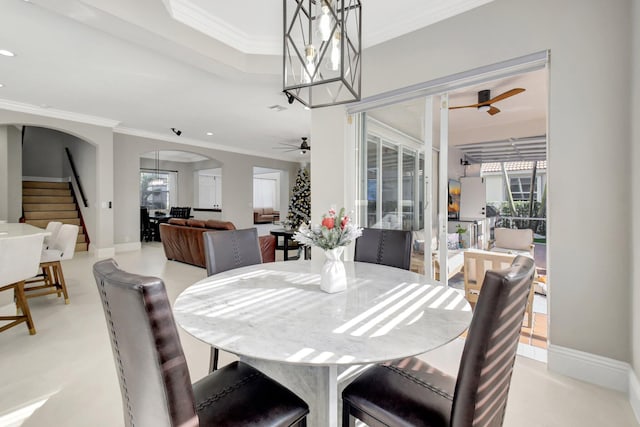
x: 509, y: 150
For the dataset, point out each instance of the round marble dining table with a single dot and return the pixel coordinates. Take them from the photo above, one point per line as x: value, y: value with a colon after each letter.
x: 275, y: 317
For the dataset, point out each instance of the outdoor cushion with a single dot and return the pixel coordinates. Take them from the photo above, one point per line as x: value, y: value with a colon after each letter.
x: 511, y: 238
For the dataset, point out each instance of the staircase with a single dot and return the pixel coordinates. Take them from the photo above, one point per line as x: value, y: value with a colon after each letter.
x: 43, y: 202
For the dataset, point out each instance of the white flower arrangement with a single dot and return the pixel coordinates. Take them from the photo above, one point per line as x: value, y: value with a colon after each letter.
x: 334, y: 231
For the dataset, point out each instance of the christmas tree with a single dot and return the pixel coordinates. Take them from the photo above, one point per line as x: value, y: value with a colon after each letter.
x: 300, y: 203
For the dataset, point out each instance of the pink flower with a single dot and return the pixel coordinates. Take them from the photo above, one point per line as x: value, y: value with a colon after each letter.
x: 344, y: 222
x: 328, y: 222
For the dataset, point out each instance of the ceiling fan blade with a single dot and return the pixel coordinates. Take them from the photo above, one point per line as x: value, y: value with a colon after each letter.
x: 504, y: 95
x: 493, y: 110
x: 466, y: 106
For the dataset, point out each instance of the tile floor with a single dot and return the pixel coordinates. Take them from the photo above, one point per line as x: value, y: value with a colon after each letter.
x: 65, y: 376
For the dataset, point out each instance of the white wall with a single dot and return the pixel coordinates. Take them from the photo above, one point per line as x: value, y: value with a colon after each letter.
x: 589, y: 285
x: 328, y: 175
x: 237, y: 181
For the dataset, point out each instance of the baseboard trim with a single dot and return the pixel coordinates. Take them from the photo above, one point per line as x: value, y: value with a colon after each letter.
x: 128, y: 247
x: 603, y: 371
x: 634, y: 394
x: 103, y: 252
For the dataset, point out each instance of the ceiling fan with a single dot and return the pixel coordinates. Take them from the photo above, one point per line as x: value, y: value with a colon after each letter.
x: 303, y: 147
x: 485, y: 100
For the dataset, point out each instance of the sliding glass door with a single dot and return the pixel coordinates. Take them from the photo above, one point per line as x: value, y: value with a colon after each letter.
x: 392, y: 181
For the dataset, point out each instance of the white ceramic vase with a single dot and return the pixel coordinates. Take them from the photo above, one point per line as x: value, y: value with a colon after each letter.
x: 333, y: 277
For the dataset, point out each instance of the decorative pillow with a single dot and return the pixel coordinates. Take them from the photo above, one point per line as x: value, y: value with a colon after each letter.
x: 453, y: 241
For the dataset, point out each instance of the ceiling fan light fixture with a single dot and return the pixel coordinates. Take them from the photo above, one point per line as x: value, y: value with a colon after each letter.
x: 483, y: 108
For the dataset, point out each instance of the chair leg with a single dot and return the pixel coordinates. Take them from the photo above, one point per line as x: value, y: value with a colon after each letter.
x: 57, y: 267
x: 24, y: 305
x: 530, y: 306
x: 213, y: 359
x: 347, y: 419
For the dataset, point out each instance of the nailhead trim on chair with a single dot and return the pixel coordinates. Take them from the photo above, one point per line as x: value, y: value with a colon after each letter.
x: 418, y: 381
x: 228, y: 390
x: 117, y: 351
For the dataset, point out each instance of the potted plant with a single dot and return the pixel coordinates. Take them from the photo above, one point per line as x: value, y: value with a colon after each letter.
x: 460, y: 232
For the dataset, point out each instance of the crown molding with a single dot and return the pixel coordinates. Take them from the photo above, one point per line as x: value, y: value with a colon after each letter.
x: 199, y: 19
x: 57, y: 114
x: 195, y: 142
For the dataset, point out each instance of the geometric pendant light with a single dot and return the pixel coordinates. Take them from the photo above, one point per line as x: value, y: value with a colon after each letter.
x: 322, y: 51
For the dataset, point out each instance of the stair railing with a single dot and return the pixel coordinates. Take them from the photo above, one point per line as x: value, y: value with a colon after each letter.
x: 76, y: 177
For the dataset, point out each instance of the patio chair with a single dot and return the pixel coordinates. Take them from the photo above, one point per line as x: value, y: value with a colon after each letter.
x: 513, y: 241
x: 410, y: 392
x: 476, y: 265
x: 154, y: 378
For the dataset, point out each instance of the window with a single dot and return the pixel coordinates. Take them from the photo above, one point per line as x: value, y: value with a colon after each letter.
x: 158, y: 189
x: 520, y: 188
x: 264, y: 193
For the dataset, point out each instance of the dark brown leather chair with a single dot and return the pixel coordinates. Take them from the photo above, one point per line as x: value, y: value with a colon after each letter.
x: 410, y: 392
x: 386, y: 247
x: 154, y: 378
x: 225, y: 250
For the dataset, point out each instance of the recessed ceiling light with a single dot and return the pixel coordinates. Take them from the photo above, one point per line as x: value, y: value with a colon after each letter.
x: 209, y: 133
x: 1, y: 85
x: 4, y: 52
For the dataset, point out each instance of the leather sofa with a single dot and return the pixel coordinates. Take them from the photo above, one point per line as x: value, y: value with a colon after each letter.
x: 182, y: 240
x: 265, y: 215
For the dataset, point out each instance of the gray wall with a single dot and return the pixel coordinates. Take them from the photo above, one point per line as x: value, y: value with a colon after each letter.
x: 635, y: 161
x: 589, y: 143
x: 44, y: 156
x: 4, y: 176
x: 10, y: 174
x: 43, y: 153
x: 14, y: 178
x: 237, y: 181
